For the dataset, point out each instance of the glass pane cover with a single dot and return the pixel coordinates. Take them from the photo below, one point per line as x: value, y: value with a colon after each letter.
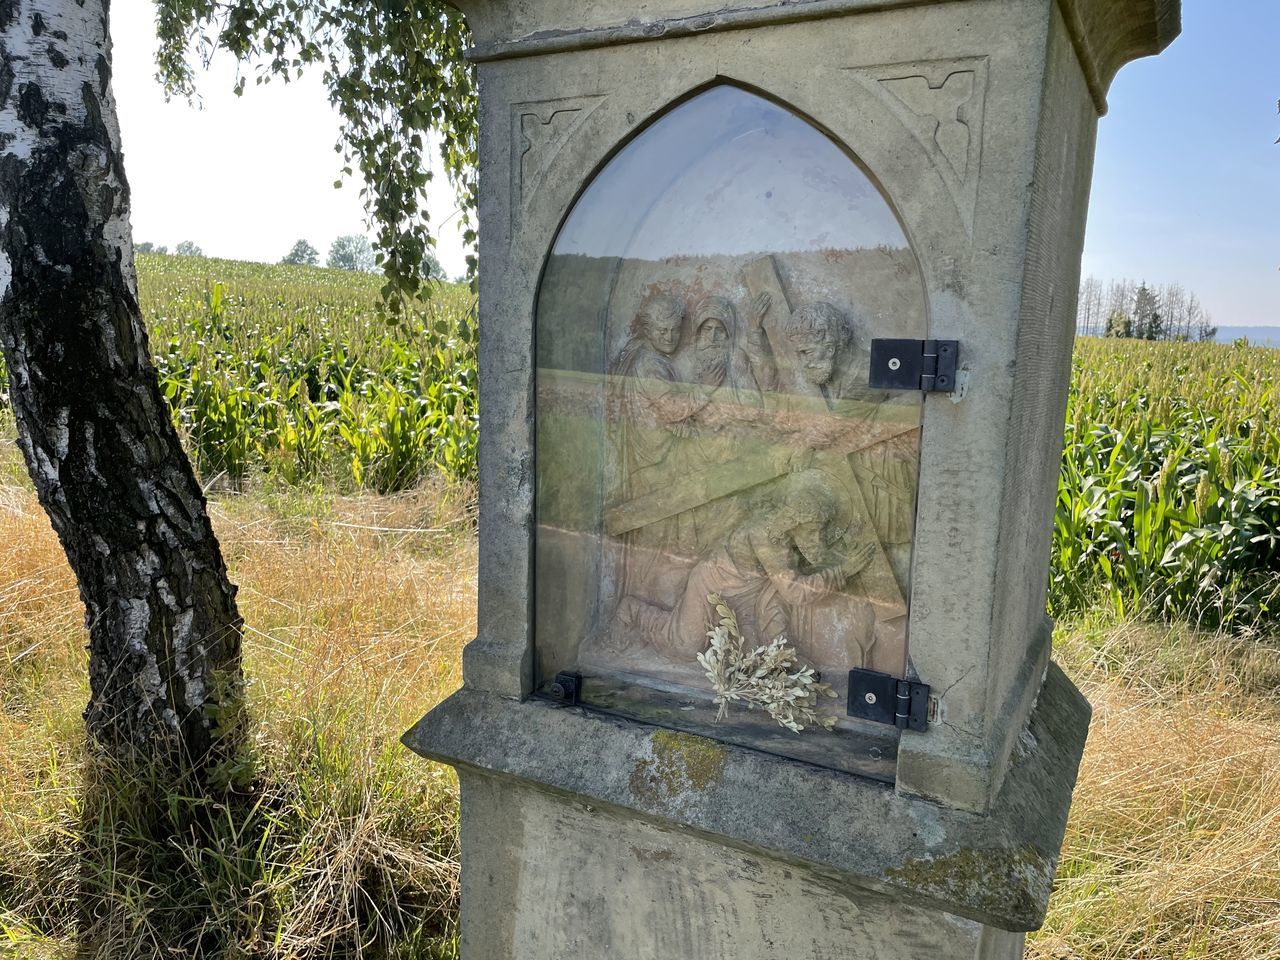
x: 725, y: 510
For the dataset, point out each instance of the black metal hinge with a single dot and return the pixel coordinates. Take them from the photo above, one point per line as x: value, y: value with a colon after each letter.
x: 566, y: 687
x: 883, y: 698
x: 928, y: 365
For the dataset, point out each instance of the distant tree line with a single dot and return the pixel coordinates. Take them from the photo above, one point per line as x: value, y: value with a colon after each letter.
x: 1128, y: 308
x: 185, y: 249
x: 351, y: 251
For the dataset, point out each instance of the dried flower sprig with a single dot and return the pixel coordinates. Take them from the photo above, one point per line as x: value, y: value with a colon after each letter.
x: 763, y: 678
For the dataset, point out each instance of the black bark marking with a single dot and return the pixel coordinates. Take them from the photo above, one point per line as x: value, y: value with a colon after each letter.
x: 6, y: 76
x: 56, y: 57
x: 8, y: 13
x: 92, y: 109
x: 104, y: 74
x: 33, y: 109
x: 93, y: 121
x: 59, y: 35
x: 106, y: 197
x: 37, y: 24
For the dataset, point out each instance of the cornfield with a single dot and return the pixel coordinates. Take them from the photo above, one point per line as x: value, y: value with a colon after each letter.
x: 1168, y: 504
x: 291, y: 370
x: 1169, y: 497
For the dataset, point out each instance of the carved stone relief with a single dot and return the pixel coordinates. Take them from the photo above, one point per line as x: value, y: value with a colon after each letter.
x: 539, y: 130
x: 942, y: 102
x: 751, y: 461
x: 705, y: 423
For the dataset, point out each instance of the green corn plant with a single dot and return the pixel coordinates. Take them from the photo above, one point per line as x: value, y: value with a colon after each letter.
x: 1168, y: 501
x: 290, y: 370
x: 1168, y: 497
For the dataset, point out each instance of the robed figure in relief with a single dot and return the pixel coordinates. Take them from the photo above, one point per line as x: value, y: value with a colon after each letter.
x: 650, y: 409
x: 752, y: 461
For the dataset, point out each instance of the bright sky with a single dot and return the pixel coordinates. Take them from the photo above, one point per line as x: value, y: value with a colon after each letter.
x: 1186, y: 185
x: 242, y: 177
x: 1186, y: 181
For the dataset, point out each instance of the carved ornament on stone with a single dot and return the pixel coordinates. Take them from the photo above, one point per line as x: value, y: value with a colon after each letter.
x: 753, y: 462
x: 539, y: 131
x: 942, y: 103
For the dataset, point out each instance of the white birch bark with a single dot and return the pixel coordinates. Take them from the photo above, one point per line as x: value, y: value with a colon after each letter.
x: 164, y: 631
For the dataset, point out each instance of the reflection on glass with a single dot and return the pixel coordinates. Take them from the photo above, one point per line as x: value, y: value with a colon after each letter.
x: 704, y: 421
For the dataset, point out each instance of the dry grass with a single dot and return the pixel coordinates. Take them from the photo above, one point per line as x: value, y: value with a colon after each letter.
x: 358, y: 610
x: 1173, y: 848
x: 343, y: 844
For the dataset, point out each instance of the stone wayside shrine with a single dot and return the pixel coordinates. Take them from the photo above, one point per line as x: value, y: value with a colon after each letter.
x: 777, y: 300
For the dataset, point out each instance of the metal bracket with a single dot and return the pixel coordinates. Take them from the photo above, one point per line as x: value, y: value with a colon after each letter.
x: 928, y: 365
x: 566, y: 687
x: 883, y: 698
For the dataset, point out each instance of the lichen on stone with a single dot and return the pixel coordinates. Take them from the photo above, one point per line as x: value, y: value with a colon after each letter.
x: 1009, y: 883
x: 678, y: 764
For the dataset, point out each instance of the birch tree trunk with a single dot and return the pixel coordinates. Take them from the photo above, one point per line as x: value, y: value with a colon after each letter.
x: 164, y: 631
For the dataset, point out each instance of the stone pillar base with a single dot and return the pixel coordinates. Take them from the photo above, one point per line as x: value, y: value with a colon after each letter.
x: 547, y: 878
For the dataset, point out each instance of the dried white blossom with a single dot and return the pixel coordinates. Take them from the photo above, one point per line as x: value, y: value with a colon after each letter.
x: 766, y: 677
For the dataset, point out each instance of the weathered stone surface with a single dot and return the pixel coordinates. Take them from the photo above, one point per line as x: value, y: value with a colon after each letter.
x: 554, y: 877
x: 986, y: 493
x: 996, y: 869
x: 1106, y: 34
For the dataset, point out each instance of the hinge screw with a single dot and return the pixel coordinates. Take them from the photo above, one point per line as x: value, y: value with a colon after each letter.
x: 869, y: 697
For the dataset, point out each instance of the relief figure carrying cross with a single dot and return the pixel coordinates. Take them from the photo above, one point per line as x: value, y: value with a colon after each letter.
x: 805, y: 407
